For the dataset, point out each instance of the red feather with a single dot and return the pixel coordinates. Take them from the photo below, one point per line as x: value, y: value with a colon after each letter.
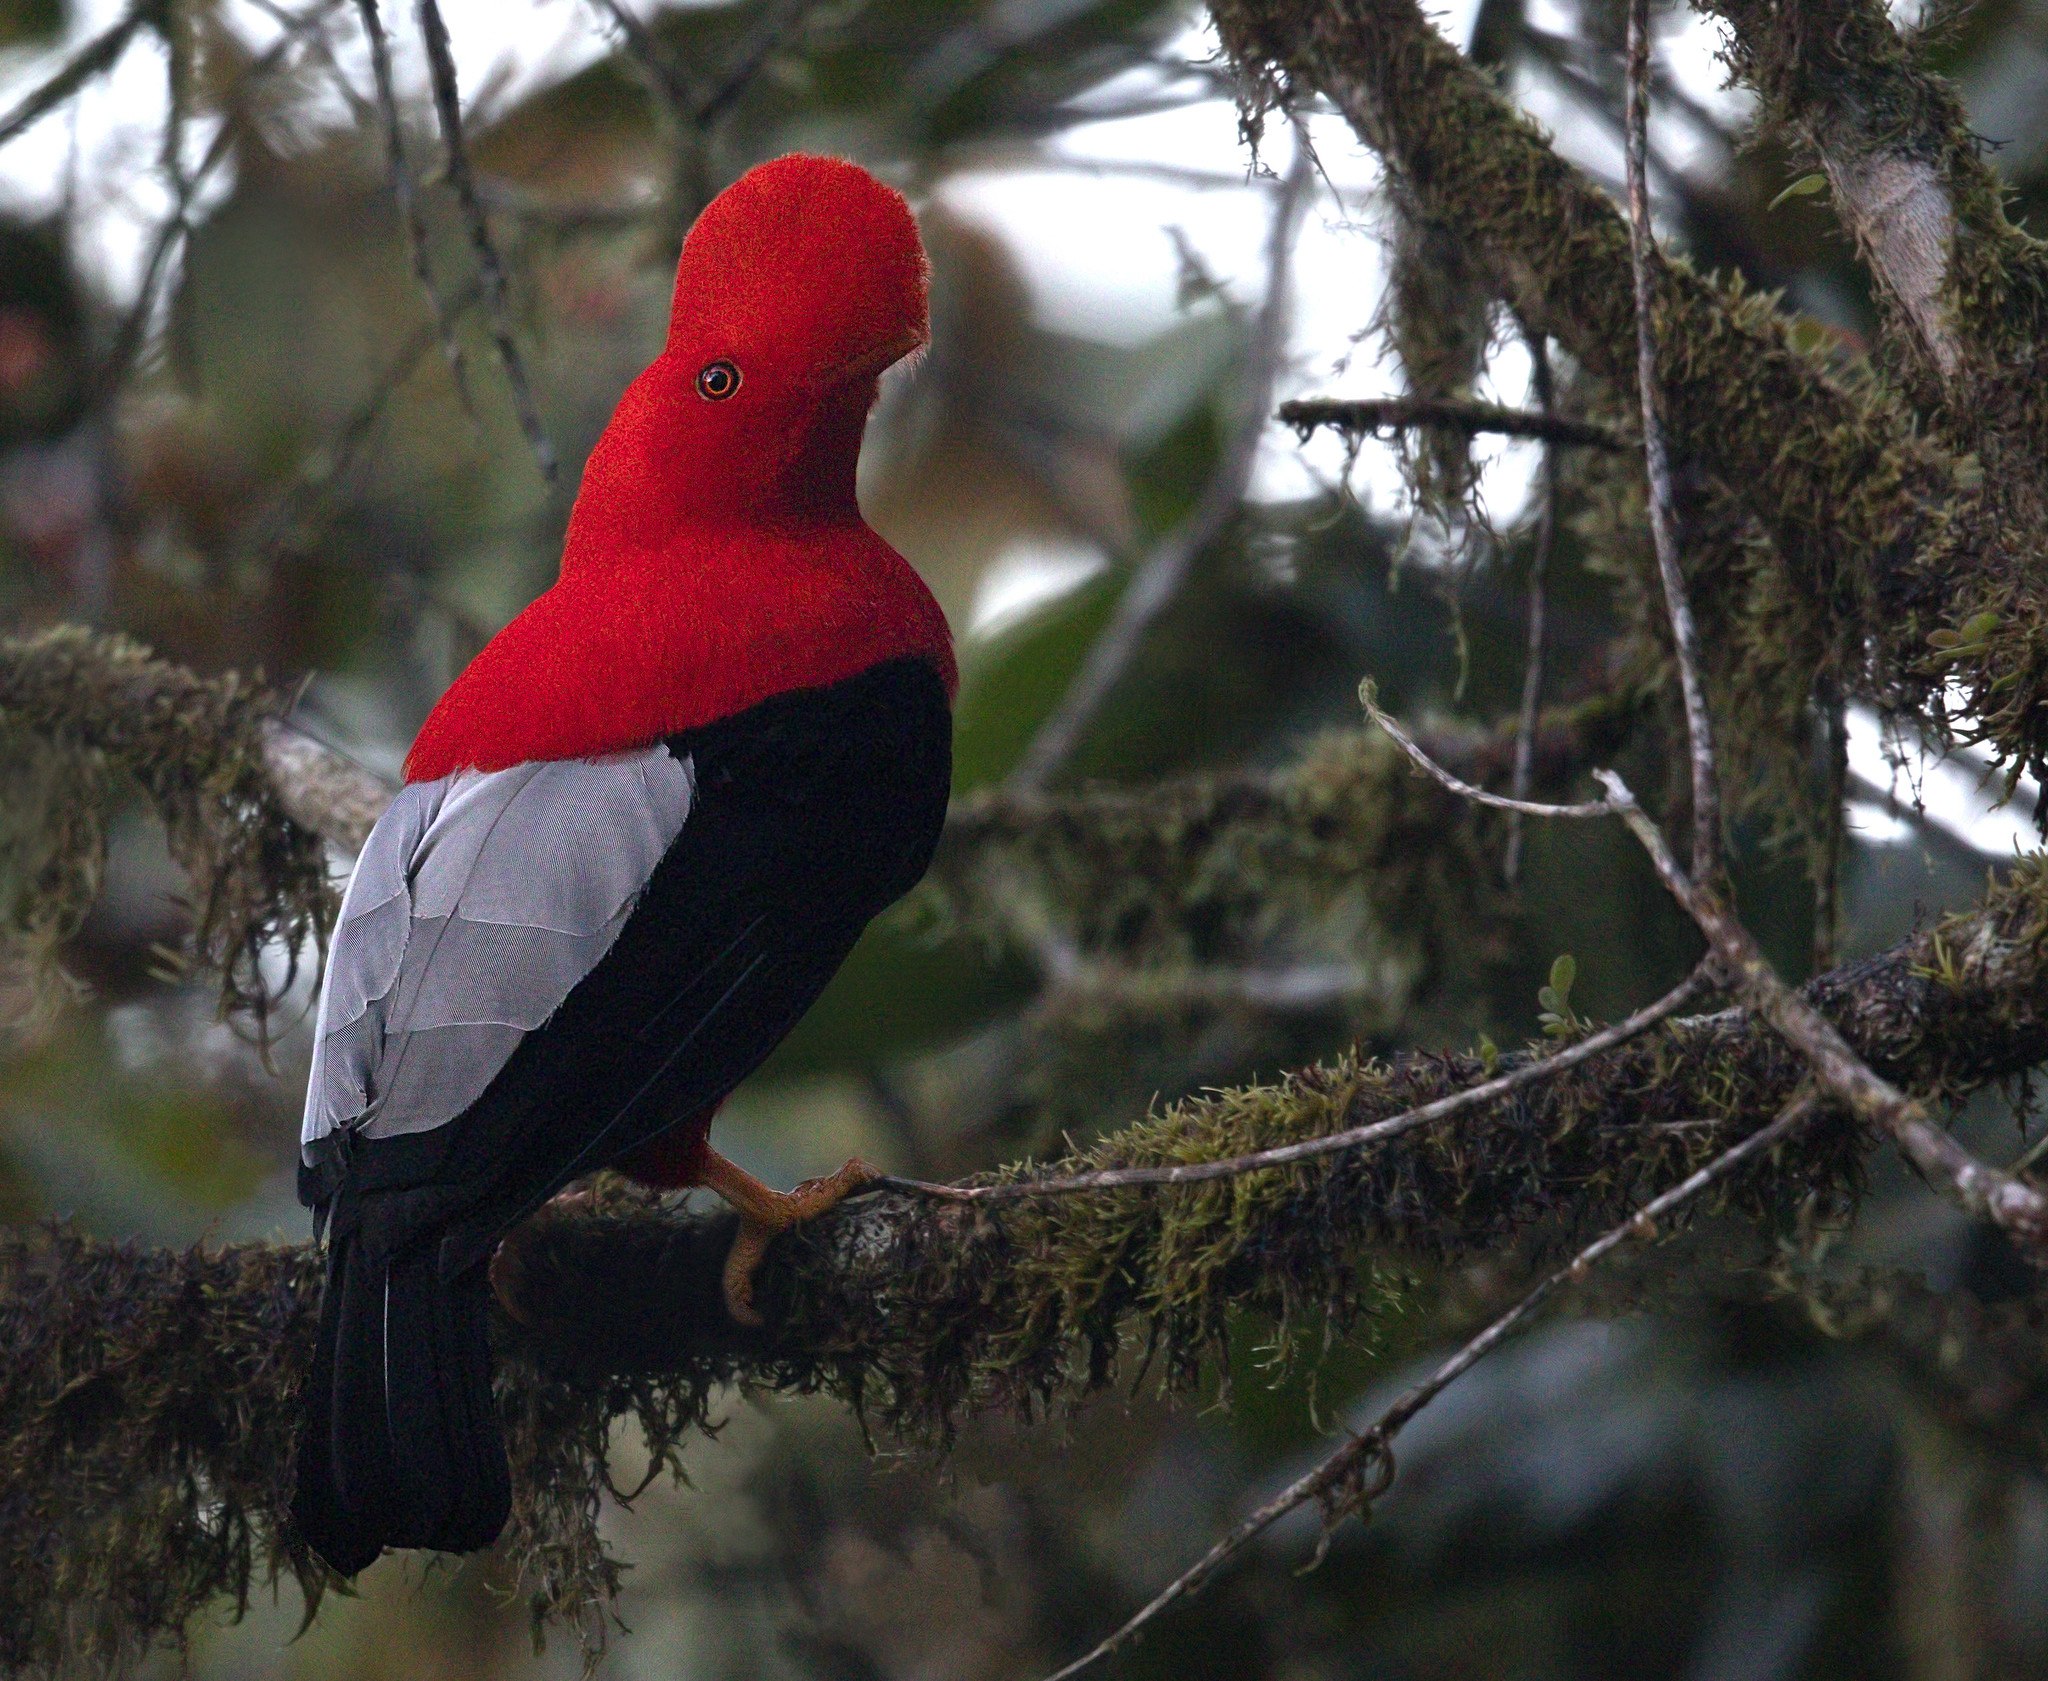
x: 716, y: 555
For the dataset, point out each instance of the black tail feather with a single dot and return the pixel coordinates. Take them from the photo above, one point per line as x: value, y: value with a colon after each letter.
x: 402, y: 1445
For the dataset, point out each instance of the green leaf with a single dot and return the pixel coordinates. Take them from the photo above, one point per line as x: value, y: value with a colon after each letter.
x: 1563, y: 972
x: 1805, y: 187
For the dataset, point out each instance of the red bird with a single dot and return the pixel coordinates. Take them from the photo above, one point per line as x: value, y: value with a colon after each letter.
x: 638, y: 836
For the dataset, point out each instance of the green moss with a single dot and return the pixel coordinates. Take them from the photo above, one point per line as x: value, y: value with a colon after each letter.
x: 87, y: 718
x: 1870, y: 537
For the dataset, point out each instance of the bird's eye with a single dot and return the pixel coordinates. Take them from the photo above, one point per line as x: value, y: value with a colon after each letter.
x: 718, y: 380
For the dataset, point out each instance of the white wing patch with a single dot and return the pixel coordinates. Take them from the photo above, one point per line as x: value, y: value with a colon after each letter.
x: 479, y: 901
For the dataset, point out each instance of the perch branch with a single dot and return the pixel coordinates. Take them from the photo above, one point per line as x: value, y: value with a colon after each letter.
x: 926, y: 1311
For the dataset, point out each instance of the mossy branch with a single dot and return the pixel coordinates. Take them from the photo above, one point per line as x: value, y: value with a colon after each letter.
x: 1881, y: 540
x: 147, y: 1398
x: 1965, y: 291
x: 83, y: 715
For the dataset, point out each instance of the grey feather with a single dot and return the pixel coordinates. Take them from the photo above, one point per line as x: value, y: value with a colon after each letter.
x: 479, y: 901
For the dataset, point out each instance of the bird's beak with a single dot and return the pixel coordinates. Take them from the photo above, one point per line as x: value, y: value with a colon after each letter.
x: 867, y: 364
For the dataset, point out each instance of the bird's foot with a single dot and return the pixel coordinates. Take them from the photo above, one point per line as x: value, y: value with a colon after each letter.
x: 765, y: 1213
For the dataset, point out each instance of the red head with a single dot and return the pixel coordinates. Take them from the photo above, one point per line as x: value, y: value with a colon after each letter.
x: 716, y: 555
x: 798, y: 285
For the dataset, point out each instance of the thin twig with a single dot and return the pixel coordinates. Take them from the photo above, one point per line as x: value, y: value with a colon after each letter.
x: 405, y: 193
x: 363, y: 110
x: 1359, y: 1472
x: 1157, y: 579
x: 1539, y: 607
x: 1368, y: 697
x: 98, y: 55
x: 490, y: 267
x: 1834, y: 814
x: 1358, y: 416
x: 775, y: 27
x: 1685, y: 636
x: 1973, y: 1186
x: 664, y: 72
x: 338, y: 454
x: 1374, y: 1132
x: 128, y: 338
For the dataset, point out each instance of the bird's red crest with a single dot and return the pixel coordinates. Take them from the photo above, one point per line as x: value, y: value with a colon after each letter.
x: 716, y: 555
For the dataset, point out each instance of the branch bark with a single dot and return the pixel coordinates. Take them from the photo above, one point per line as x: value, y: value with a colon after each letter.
x: 1965, y: 292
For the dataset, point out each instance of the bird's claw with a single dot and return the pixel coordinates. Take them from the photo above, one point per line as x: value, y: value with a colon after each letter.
x: 765, y: 1214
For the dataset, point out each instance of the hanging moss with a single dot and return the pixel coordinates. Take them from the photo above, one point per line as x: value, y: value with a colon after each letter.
x: 1879, y: 539
x: 84, y: 719
x: 1438, y: 316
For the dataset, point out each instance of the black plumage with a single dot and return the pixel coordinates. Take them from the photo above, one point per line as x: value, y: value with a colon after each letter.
x: 813, y: 812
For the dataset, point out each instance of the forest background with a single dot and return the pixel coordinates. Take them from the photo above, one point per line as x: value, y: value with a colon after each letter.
x: 256, y: 413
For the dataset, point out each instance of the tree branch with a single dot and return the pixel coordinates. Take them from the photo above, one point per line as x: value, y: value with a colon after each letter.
x: 1965, y: 292
x: 1542, y: 542
x: 2012, y: 1204
x: 1350, y: 1480
x: 1884, y: 538
x: 1685, y: 633
x: 111, y: 1356
x: 1356, y: 416
x: 97, y: 56
x: 489, y: 265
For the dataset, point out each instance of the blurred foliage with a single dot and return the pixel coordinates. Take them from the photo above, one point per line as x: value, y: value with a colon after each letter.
x: 289, y: 481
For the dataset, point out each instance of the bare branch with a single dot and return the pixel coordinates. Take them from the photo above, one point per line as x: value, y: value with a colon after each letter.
x: 490, y: 266
x: 1352, y: 1138
x: 1357, y: 416
x: 128, y: 339
x: 1362, y: 1470
x: 1368, y: 697
x: 321, y: 789
x: 777, y: 23
x: 2015, y: 1206
x: 664, y: 72
x: 1158, y: 577
x: 405, y: 193
x: 332, y: 460
x: 1685, y: 636
x: 97, y: 56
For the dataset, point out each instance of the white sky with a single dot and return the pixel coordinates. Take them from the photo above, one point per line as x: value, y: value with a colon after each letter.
x: 1097, y: 251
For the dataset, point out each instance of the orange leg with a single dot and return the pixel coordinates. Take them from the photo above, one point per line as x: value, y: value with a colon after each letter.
x: 765, y: 1213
